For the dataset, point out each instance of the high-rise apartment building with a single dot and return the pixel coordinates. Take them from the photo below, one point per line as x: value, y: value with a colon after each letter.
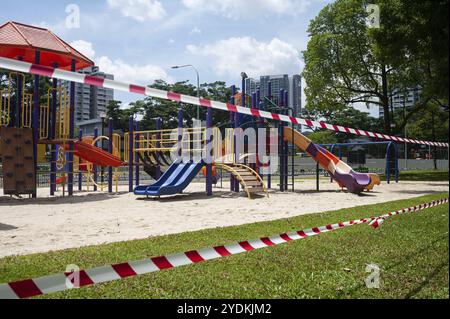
x: 403, y: 100
x: 291, y: 84
x: 91, y: 101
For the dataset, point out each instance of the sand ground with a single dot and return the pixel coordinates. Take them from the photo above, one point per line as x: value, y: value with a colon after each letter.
x: 45, y: 224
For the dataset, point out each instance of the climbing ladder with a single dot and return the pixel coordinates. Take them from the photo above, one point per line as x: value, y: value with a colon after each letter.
x: 250, y: 180
x: 19, y: 175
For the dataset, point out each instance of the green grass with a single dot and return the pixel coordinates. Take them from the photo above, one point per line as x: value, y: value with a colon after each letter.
x: 411, y: 250
x: 425, y: 175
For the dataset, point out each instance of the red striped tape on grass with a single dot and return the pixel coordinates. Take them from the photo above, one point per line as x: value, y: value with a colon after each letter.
x: 45, y: 285
x: 25, y: 67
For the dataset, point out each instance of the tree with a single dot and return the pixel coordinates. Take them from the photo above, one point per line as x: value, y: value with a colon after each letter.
x: 153, y: 108
x: 431, y: 123
x: 346, y: 62
x: 323, y: 137
x: 349, y: 117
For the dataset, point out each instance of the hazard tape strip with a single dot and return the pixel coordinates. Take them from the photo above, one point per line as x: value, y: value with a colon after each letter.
x: 37, y: 69
x: 60, y: 282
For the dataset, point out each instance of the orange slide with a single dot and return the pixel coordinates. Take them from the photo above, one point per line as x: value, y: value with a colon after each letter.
x: 95, y: 155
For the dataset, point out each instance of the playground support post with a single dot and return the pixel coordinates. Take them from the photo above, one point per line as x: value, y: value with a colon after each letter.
x: 158, y: 145
x: 286, y: 146
x: 130, y: 153
x: 269, y: 176
x: 94, y: 167
x: 237, y: 123
x: 258, y: 106
x: 255, y: 127
x: 233, y: 124
x: 19, y: 106
x: 110, y: 150
x: 80, y: 175
x: 389, y: 146
x: 52, y: 134
x: 317, y: 176
x: 71, y: 130
x: 35, y: 124
x: 209, y: 137
x: 281, y: 143
x: 180, y: 130
x: 137, y: 170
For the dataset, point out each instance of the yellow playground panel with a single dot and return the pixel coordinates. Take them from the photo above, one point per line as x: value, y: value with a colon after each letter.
x: 193, y: 140
x: 5, y: 102
x: 62, y: 125
x: 62, y: 121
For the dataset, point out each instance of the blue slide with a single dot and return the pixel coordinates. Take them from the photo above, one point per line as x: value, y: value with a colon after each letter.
x: 177, y: 177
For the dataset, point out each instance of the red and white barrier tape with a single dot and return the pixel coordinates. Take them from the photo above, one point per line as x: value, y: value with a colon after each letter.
x: 36, y: 69
x: 50, y: 284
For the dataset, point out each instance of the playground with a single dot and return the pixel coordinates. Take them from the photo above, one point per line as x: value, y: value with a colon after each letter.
x: 121, y: 188
x: 89, y: 219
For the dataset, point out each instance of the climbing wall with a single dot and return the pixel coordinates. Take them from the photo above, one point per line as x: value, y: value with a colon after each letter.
x: 19, y: 176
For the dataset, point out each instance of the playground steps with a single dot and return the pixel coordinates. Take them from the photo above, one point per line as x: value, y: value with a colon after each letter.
x: 256, y: 190
x: 251, y: 182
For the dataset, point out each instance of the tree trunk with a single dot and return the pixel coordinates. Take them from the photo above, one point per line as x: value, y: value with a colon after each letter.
x: 385, y: 101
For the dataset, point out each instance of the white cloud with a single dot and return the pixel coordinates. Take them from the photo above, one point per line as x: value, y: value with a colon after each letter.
x: 84, y: 47
x: 195, y: 30
x: 140, y: 10
x: 144, y: 74
x: 133, y: 73
x: 246, y: 8
x: 256, y: 58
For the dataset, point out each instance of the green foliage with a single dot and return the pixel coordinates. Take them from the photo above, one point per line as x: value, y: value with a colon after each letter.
x: 152, y: 108
x: 349, y: 117
x: 323, y: 137
x: 346, y: 62
x: 430, y: 124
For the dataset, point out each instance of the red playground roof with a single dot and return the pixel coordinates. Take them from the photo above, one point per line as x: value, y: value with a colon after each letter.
x: 21, y: 40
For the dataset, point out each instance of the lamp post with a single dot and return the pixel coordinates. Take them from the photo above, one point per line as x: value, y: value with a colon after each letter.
x: 198, y: 82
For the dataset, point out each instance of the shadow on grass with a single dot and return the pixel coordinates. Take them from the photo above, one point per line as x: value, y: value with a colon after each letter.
x: 427, y: 280
x: 402, y: 260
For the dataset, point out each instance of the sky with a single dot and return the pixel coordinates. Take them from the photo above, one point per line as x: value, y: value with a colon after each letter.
x: 139, y: 40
